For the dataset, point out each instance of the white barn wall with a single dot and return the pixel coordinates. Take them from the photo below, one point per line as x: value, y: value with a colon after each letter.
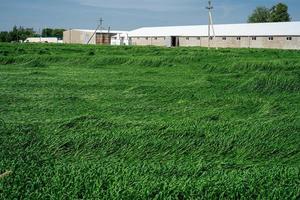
x: 42, y: 40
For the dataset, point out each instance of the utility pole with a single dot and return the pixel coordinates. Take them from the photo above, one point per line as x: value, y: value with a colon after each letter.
x: 70, y: 35
x: 40, y: 34
x: 98, y: 28
x: 210, y: 23
x: 100, y: 23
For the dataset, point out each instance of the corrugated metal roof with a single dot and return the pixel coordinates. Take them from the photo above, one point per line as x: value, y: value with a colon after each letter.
x: 257, y: 29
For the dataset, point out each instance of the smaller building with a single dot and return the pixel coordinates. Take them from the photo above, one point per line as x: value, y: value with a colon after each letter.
x: 42, y: 40
x: 120, y: 39
x: 101, y: 37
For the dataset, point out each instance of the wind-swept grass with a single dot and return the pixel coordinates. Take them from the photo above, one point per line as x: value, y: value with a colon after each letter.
x: 90, y: 122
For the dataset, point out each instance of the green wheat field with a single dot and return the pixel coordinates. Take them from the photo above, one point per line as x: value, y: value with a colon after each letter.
x: 103, y: 122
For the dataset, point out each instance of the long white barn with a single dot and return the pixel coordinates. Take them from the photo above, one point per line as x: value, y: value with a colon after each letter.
x: 283, y: 35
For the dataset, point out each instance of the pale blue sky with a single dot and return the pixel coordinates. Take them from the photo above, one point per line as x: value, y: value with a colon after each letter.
x: 127, y: 14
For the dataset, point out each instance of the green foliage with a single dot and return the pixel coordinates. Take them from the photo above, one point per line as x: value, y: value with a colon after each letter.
x: 21, y: 33
x: 259, y: 15
x: 104, y: 122
x: 17, y: 34
x: 48, y: 32
x: 278, y: 13
x: 4, y: 36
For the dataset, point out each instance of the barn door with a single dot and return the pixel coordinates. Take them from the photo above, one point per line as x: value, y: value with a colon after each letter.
x: 174, y: 41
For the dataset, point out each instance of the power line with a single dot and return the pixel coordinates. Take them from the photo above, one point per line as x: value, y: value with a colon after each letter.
x: 98, y: 28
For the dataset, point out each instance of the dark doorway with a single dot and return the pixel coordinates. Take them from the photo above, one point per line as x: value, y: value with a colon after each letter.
x: 174, y: 41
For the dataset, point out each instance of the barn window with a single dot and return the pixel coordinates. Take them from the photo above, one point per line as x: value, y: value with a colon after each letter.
x: 198, y: 38
x: 253, y: 38
x: 289, y: 38
x: 238, y: 38
x: 187, y: 38
x: 271, y: 38
x: 224, y: 38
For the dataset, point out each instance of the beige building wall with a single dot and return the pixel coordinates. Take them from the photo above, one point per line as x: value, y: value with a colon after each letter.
x: 147, y: 41
x: 189, y: 41
x: 78, y: 37
x: 228, y: 42
x: 278, y: 42
x: 158, y: 41
x: 140, y: 41
x: 292, y: 44
x: 256, y: 42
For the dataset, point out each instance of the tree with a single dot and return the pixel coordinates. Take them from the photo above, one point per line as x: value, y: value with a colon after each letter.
x: 16, y: 34
x: 58, y: 33
x: 21, y: 33
x: 24, y: 33
x: 279, y: 13
x: 4, y: 36
x: 48, y: 32
x: 259, y: 15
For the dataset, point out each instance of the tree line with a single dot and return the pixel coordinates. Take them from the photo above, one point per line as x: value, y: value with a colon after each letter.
x: 20, y: 34
x: 277, y: 13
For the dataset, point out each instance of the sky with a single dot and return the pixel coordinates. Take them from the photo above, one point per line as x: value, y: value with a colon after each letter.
x: 127, y: 14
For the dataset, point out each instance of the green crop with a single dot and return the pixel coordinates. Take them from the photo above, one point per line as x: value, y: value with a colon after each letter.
x: 104, y: 122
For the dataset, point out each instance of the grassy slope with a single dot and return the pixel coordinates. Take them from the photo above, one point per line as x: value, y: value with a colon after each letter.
x: 146, y: 122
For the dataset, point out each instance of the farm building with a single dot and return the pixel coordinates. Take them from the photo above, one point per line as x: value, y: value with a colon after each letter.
x: 282, y: 35
x: 42, y: 40
x: 102, y: 37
